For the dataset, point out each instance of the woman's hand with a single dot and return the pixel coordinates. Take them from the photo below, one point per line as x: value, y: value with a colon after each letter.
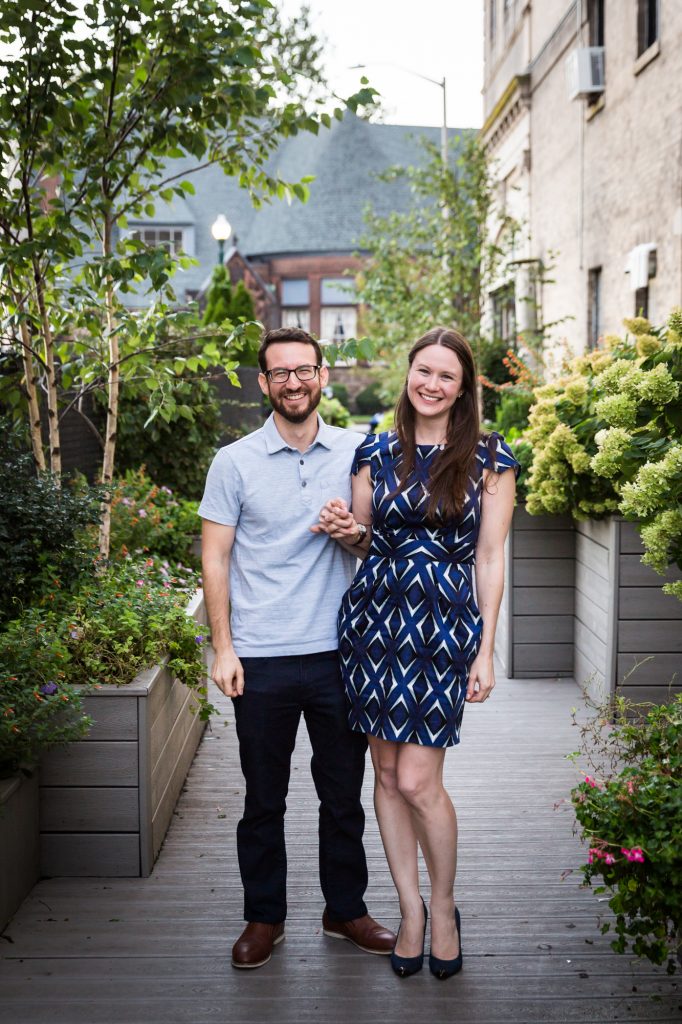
x: 481, y: 679
x: 337, y: 521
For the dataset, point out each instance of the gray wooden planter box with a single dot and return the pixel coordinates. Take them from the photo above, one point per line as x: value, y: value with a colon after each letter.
x: 623, y: 617
x: 535, y: 627
x: 19, y: 844
x: 106, y: 802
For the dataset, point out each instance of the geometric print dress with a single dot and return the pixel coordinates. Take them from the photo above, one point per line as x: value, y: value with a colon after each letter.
x: 409, y: 626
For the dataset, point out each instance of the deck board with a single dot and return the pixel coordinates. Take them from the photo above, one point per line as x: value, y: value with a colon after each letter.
x: 147, y: 951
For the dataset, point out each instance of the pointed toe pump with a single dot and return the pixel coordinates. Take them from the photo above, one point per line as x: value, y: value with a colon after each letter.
x: 443, y: 969
x: 404, y: 966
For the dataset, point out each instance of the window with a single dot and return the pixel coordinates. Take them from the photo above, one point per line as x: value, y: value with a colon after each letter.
x: 296, y: 318
x: 338, y: 323
x: 647, y: 24
x: 170, y: 238
x: 492, y: 23
x: 642, y: 302
x: 593, y: 306
x: 595, y: 16
x: 504, y: 314
x: 337, y: 291
x: 295, y: 291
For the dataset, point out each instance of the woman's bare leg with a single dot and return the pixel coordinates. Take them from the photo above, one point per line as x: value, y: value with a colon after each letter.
x: 400, y: 843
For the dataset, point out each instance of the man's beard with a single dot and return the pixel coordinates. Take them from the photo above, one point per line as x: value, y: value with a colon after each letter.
x: 301, y: 411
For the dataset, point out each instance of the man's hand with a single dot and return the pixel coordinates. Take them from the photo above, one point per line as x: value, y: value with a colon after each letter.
x: 227, y: 673
x: 337, y: 521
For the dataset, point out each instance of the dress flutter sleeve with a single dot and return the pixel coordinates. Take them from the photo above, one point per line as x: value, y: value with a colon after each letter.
x: 366, y: 454
x: 495, y: 454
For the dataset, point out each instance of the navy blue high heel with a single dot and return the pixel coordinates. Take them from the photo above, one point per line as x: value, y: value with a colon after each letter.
x: 446, y: 968
x: 404, y: 966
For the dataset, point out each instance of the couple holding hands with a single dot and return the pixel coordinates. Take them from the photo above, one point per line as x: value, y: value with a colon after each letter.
x: 384, y: 656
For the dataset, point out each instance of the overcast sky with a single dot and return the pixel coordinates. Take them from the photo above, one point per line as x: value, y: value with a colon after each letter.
x: 432, y: 37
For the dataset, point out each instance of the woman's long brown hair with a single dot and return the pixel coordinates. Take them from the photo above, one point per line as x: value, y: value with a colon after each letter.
x: 450, y: 470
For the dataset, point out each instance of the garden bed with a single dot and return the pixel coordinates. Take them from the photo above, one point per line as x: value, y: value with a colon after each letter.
x: 106, y: 801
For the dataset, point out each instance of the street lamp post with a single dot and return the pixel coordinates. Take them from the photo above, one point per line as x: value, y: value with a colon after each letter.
x: 221, y: 229
x: 434, y: 81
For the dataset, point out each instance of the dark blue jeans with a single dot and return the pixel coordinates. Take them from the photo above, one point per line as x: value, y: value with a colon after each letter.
x: 276, y: 692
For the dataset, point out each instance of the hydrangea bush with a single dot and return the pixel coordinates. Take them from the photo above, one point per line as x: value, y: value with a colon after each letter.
x: 630, y: 813
x: 607, y: 438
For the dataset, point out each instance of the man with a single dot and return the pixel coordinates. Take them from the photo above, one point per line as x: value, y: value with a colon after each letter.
x: 276, y: 654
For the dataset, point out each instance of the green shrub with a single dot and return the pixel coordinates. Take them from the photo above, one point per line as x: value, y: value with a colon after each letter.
x: 42, y: 528
x: 148, y: 519
x: 512, y: 411
x: 333, y: 412
x: 630, y: 813
x: 606, y: 438
x: 177, y: 454
x: 39, y: 709
x: 492, y: 367
x: 369, y: 400
x: 340, y: 391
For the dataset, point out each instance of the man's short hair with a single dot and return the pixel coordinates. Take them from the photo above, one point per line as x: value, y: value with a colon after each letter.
x: 284, y: 334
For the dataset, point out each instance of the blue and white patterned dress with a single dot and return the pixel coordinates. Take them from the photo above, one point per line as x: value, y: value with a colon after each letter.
x: 409, y: 627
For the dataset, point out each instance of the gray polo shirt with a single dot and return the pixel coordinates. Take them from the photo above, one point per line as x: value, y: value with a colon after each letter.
x: 286, y: 583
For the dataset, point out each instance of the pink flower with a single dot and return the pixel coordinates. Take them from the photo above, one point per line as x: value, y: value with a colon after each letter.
x: 609, y: 858
x: 141, y: 513
x: 592, y: 782
x: 139, y: 583
x: 594, y: 854
x: 631, y: 786
x: 635, y: 855
x: 126, y: 501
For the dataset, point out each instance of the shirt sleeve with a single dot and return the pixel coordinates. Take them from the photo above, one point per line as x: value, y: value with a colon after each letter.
x: 222, y: 500
x: 364, y: 453
x: 496, y: 454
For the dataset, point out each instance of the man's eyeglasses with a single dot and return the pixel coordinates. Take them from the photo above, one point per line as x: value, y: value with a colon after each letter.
x: 280, y: 376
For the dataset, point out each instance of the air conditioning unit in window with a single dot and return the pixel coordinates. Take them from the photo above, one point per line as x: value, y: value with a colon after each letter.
x: 585, y: 71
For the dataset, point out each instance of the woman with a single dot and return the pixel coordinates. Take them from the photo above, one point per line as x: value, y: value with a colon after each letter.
x: 431, y: 502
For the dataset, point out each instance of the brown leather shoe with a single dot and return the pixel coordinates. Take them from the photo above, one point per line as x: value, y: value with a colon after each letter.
x: 364, y: 932
x: 254, y: 946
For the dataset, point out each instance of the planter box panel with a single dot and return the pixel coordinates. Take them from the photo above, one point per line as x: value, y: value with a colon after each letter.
x: 544, y: 544
x: 593, y: 555
x: 163, y: 769
x: 116, y: 720
x: 650, y: 635
x: 543, y: 659
x: 113, y: 855
x: 591, y: 584
x: 547, y: 629
x: 543, y: 572
x: 591, y: 645
x: 543, y: 601
x: 596, y: 619
x: 596, y: 530
x: 633, y: 573
x: 657, y: 671
x: 92, y: 764
x: 630, y: 539
x: 19, y: 846
x: 648, y: 694
x: 89, y: 809
x: 178, y: 699
x: 647, y: 603
x: 524, y: 521
x: 589, y: 678
x: 167, y: 799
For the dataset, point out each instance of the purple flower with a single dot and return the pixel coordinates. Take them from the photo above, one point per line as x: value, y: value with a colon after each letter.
x: 48, y: 688
x: 141, y: 513
x: 199, y: 639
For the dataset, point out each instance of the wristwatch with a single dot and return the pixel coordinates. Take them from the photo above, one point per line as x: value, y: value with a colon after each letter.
x: 362, y: 533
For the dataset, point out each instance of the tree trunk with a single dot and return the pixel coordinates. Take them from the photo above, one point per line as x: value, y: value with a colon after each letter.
x: 112, y: 404
x: 52, y: 404
x: 32, y: 395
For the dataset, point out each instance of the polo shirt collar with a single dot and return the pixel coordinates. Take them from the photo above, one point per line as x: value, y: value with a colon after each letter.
x: 274, y: 442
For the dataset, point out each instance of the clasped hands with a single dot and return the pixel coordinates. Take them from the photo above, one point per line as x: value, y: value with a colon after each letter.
x: 337, y: 521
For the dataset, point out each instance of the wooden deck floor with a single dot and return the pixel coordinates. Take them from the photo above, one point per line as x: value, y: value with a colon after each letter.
x: 156, y: 951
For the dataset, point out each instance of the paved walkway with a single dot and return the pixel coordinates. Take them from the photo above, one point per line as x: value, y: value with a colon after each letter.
x: 156, y: 951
